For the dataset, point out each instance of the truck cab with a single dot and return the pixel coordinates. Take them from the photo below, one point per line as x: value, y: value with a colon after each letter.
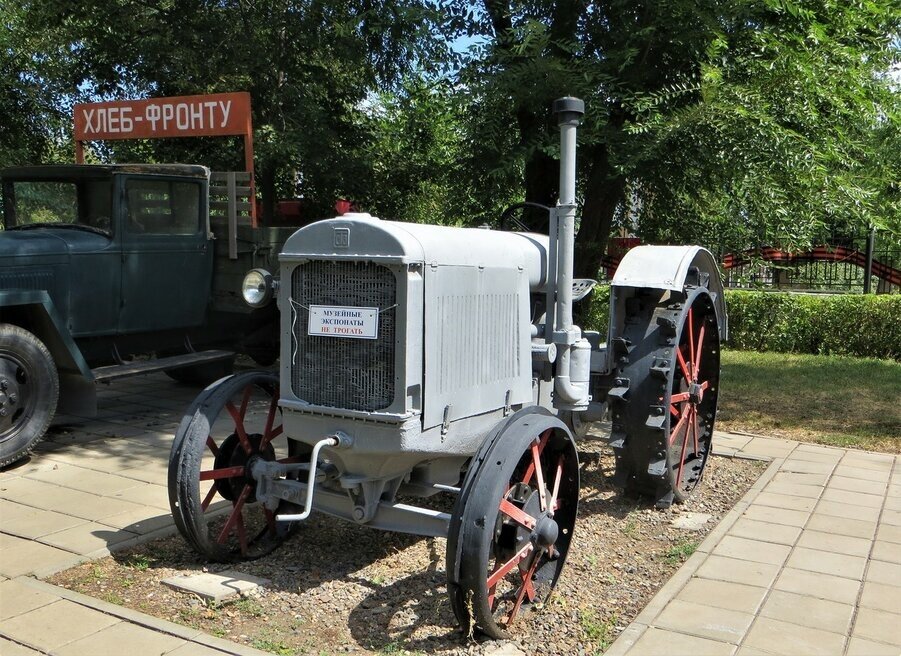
x: 114, y: 270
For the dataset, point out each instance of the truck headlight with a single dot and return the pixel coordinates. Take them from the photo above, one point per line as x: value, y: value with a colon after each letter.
x: 258, y: 287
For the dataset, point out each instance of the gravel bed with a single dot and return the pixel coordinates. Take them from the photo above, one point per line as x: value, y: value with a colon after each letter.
x: 341, y: 588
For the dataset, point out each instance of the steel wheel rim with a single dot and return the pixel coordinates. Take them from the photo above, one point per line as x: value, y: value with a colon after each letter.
x: 228, y: 522
x: 690, y: 401
x: 531, y: 539
x: 16, y: 396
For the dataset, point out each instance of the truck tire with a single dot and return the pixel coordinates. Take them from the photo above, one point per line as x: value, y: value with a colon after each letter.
x: 202, y: 374
x: 29, y: 391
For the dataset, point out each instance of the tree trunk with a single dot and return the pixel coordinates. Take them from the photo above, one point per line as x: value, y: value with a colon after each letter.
x: 266, y: 187
x: 604, y: 190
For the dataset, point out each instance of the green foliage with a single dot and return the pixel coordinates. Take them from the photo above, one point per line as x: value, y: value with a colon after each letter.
x: 865, y: 325
x: 735, y: 123
x: 862, y: 325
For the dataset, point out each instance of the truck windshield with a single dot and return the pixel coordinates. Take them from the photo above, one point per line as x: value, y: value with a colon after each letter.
x: 51, y: 203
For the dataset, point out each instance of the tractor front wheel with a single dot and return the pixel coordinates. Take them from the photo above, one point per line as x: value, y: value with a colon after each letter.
x: 513, y: 523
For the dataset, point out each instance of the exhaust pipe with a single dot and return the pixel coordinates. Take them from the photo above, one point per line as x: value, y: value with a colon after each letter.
x: 571, y: 379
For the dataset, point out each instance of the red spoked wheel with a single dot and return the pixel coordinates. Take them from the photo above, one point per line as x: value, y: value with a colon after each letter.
x: 692, y: 397
x: 212, y: 494
x: 663, y: 406
x: 512, y: 526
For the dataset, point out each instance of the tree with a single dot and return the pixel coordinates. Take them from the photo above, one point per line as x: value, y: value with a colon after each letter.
x: 310, y: 67
x: 744, y: 120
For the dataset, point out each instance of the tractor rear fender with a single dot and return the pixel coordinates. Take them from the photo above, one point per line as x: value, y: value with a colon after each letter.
x: 34, y: 311
x: 670, y: 268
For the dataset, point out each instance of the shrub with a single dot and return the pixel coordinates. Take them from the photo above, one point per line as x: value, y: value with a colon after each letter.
x: 865, y: 325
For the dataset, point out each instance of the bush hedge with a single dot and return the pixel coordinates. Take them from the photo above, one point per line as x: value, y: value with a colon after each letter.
x: 865, y: 325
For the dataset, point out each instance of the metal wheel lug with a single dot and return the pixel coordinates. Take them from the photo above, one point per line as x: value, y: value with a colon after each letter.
x: 3, y: 412
x: 13, y: 398
x: 4, y: 384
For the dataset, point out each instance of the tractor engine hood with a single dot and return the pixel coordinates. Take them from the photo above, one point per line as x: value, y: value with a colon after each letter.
x: 363, y: 237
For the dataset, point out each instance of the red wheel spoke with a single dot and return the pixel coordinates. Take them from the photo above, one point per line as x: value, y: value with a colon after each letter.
x: 682, y: 456
x: 239, y: 426
x: 207, y: 499
x: 523, y: 590
x: 225, y: 472
x: 698, y: 352
x: 270, y: 521
x: 519, y: 516
x: 527, y: 477
x: 696, y: 429
x: 245, y: 399
x: 502, y: 570
x: 683, y: 366
x: 539, y: 475
x: 678, y: 398
x: 556, y: 490
x: 242, y: 534
x: 691, y: 338
x: 235, y: 515
x: 270, y: 419
x: 212, y: 445
x: 705, y: 385
x: 674, y: 411
x: 679, y: 426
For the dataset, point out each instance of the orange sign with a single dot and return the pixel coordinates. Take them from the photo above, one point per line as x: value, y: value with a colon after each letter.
x: 211, y: 115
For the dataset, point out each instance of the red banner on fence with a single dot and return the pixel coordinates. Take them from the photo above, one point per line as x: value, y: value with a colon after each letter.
x: 211, y: 115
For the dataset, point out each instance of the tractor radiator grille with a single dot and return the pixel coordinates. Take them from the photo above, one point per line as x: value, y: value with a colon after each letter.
x: 342, y: 372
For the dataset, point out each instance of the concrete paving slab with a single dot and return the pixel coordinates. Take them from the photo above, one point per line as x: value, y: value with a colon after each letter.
x: 745, y: 549
x: 55, y: 625
x: 722, y: 594
x: 862, y: 647
x: 27, y: 557
x: 35, y: 522
x: 841, y: 509
x: 122, y: 638
x: 854, y: 498
x: 806, y: 610
x: 776, y: 637
x: 17, y: 599
x: 795, y: 489
x: 704, y: 621
x: 881, y: 597
x: 819, y: 585
x: 738, y: 571
x: 848, y: 471
x: 10, y: 648
x: 87, y: 538
x: 79, y: 478
x: 878, y: 626
x: 835, y: 543
x: 883, y: 572
x: 888, y: 551
x: 856, y: 485
x: 156, y: 496
x: 777, y: 515
x: 785, y: 501
x: 765, y: 531
x: 216, y: 587
x: 857, y: 528
x: 887, y: 533
x: 659, y: 641
x: 849, y: 567
x: 807, y: 467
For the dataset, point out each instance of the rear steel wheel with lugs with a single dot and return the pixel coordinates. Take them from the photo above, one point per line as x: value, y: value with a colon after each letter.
x: 231, y: 425
x: 664, y: 401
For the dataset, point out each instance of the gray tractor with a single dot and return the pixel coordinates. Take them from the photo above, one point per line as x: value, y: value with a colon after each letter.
x: 418, y: 360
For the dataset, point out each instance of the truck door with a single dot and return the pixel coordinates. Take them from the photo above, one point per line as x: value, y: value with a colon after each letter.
x: 167, y: 258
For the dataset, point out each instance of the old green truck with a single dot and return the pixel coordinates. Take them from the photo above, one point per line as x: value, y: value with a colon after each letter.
x: 116, y: 270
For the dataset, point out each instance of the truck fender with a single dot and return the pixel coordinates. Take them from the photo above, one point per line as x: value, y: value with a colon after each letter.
x: 670, y: 267
x: 34, y: 311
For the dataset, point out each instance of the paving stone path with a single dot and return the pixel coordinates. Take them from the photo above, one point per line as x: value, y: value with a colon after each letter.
x: 809, y: 562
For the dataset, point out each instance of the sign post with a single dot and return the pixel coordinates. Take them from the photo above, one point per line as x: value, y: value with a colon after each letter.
x: 209, y: 115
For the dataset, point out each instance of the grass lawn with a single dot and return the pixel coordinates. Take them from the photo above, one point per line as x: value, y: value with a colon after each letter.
x: 842, y: 401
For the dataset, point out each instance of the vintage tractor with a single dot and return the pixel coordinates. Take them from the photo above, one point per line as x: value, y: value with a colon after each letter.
x: 418, y: 360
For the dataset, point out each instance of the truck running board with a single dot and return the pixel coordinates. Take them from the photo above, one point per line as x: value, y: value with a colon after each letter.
x: 139, y: 367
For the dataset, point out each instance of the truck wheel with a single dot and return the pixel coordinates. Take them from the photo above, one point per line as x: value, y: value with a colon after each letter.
x: 668, y: 381
x: 202, y: 375
x: 512, y: 525
x: 211, y: 494
x: 29, y: 391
